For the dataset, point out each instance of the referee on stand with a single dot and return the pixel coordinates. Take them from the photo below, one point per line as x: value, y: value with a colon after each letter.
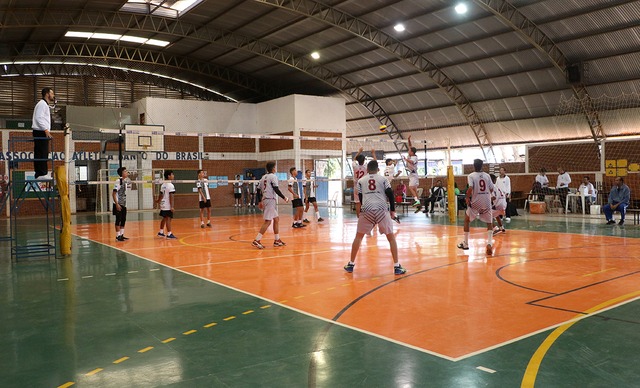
x: 41, y: 125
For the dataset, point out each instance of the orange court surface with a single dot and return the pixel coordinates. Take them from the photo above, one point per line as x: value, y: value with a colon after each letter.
x: 451, y: 303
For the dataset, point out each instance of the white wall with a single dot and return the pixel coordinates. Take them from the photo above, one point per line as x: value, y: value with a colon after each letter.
x: 277, y: 116
x: 199, y: 116
x: 324, y: 114
x: 285, y: 114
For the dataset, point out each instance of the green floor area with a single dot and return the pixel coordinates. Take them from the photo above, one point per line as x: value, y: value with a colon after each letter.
x: 105, y: 318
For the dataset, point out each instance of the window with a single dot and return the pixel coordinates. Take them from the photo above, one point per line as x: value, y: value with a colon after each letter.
x: 164, y: 8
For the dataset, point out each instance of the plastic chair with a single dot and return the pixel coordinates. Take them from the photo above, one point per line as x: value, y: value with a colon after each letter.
x: 333, y: 202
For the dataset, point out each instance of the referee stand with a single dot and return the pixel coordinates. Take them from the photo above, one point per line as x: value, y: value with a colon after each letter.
x: 35, y: 238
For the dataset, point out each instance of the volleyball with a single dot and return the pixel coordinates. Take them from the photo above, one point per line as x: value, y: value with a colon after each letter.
x: 383, y: 128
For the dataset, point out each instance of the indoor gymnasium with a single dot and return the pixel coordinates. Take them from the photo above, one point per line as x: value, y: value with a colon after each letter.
x: 340, y: 193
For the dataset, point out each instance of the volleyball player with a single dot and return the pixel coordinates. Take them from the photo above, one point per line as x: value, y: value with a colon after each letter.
x: 359, y: 170
x: 205, y: 198
x: 478, y: 200
x: 119, y: 195
x: 378, y: 208
x: 267, y: 202
x: 389, y: 170
x: 499, y: 199
x: 166, y: 201
x: 412, y: 166
x: 310, y: 187
x: 296, y: 200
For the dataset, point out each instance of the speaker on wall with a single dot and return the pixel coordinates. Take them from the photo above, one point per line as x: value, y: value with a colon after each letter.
x: 574, y: 74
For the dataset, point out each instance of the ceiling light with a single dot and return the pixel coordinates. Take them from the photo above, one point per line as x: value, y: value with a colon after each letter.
x: 156, y: 42
x: 100, y: 35
x: 315, y: 55
x: 399, y: 27
x: 461, y: 8
x: 78, y: 34
x: 134, y: 39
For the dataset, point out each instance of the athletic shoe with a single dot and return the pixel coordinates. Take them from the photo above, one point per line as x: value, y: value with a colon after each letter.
x: 508, y: 219
x: 306, y: 221
x: 418, y: 208
x: 621, y: 222
x: 208, y: 224
x: 503, y: 230
x: 495, y: 229
x: 416, y: 203
x: 498, y: 231
x: 202, y: 226
x: 160, y: 234
x: 463, y: 246
x: 349, y: 267
x: 294, y: 225
x: 124, y: 238
x: 172, y: 236
x: 611, y: 222
x: 279, y: 243
x: 399, y: 270
x: 396, y: 219
x: 432, y: 211
x: 119, y: 238
x: 320, y: 219
x: 302, y: 226
x: 489, y: 250
x: 257, y: 244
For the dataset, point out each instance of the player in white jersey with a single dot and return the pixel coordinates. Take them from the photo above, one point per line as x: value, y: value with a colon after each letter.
x: 478, y: 200
x: 267, y: 202
x: 166, y: 201
x: 310, y: 187
x: 499, y: 201
x: 412, y: 167
x: 376, y: 196
x: 389, y: 170
x: 359, y: 170
x: 119, y: 195
x: 296, y: 198
x: 504, y: 183
x: 205, y: 198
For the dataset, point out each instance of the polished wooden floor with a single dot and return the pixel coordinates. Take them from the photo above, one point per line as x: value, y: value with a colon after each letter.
x: 503, y: 320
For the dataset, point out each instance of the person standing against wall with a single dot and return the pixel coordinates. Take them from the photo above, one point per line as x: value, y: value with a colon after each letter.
x: 504, y: 184
x: 562, y: 187
x: 41, y: 126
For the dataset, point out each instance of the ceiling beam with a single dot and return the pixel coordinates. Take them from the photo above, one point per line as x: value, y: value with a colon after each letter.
x: 362, y: 29
x: 132, y: 55
x: 20, y: 18
x: 510, y: 15
x: 88, y: 70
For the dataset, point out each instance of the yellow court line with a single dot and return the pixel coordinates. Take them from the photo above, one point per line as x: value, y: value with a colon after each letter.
x: 121, y: 360
x: 247, y: 312
x: 145, y: 349
x: 265, y: 306
x: 595, y: 273
x: 229, y: 318
x: 530, y: 374
x: 189, y: 332
x: 210, y: 324
x: 168, y: 340
x: 93, y: 372
x: 67, y: 384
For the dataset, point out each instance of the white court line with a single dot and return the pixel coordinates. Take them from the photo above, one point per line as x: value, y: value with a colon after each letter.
x: 482, y: 368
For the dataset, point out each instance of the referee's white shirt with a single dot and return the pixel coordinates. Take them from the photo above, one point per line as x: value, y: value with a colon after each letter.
x: 41, y: 120
x: 564, y: 180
